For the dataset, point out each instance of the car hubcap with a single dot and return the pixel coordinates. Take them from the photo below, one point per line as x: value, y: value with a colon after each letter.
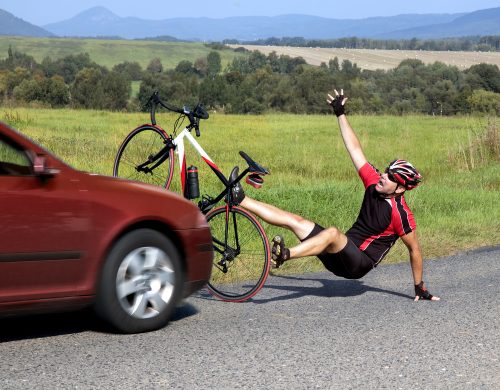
x: 145, y: 282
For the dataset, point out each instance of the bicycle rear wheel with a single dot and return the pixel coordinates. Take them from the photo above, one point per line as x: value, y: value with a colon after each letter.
x: 143, y: 144
x: 241, y: 254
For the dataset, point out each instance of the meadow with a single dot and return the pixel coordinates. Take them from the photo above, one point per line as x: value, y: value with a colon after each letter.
x: 111, y: 52
x: 456, y: 207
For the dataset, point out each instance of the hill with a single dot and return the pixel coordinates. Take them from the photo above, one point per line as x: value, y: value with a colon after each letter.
x: 99, y: 21
x: 484, y: 22
x: 111, y: 52
x: 12, y: 25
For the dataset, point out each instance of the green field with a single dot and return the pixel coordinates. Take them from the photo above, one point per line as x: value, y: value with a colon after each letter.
x: 456, y: 207
x: 111, y: 52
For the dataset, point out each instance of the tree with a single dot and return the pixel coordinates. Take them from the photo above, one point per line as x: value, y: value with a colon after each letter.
x: 485, y: 102
x: 87, y: 90
x: 116, y: 87
x: 256, y: 61
x: 201, y: 66
x: 132, y: 70
x: 350, y: 70
x: 214, y: 63
x: 185, y: 67
x: 16, y: 59
x: 212, y: 91
x: 28, y: 90
x: 489, y: 76
x: 69, y: 66
x: 155, y: 66
x: 55, y: 91
x: 15, y: 78
x: 176, y: 88
x: 334, y: 65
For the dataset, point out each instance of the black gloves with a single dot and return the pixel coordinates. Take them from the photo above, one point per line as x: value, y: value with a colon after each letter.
x: 338, y: 107
x: 422, y: 292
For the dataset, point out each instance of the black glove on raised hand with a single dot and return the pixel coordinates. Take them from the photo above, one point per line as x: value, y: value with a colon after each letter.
x: 338, y: 107
x: 422, y: 292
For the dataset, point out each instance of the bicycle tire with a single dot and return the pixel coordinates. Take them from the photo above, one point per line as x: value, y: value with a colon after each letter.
x: 140, y: 143
x: 247, y: 271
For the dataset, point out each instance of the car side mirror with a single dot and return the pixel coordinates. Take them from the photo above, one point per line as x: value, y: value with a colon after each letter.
x: 40, y: 167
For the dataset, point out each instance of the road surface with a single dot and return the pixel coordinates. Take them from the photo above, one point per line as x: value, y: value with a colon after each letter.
x: 307, y: 331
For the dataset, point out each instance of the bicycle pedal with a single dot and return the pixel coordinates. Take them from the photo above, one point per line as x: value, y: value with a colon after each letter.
x: 254, y: 180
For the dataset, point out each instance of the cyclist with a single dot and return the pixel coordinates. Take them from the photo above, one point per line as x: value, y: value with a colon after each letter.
x: 383, y: 218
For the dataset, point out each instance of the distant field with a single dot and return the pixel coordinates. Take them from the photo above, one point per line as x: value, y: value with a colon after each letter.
x: 111, y: 52
x: 311, y: 173
x: 380, y: 59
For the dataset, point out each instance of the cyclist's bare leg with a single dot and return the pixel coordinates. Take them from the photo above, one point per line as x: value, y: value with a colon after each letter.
x: 300, y: 226
x: 330, y: 240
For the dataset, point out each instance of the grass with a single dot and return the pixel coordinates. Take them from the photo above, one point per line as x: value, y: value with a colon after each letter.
x: 111, y: 52
x: 456, y: 207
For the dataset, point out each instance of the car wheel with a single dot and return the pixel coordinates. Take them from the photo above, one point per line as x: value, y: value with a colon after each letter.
x: 141, y: 282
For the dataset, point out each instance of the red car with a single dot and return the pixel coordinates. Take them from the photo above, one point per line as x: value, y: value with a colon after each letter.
x: 69, y: 239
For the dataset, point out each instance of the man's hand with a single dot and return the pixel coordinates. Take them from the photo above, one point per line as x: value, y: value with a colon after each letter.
x: 337, y: 102
x: 422, y: 293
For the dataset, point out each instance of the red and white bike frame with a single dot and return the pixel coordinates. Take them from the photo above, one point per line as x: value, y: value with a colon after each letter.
x: 179, y: 149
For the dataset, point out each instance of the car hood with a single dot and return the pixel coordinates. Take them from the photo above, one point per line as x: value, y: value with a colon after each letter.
x: 137, y: 198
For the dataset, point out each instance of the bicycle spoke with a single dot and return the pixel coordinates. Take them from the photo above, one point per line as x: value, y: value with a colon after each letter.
x: 245, y: 256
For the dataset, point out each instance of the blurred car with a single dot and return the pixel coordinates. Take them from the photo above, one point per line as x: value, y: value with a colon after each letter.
x: 70, y: 239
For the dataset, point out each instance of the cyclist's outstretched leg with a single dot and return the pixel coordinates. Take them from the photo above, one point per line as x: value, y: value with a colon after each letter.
x: 300, y: 226
x: 330, y: 240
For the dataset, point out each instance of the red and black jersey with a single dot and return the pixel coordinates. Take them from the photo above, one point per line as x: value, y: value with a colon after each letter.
x: 381, y: 221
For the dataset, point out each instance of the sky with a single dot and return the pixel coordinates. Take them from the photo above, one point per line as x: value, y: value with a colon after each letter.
x: 41, y: 12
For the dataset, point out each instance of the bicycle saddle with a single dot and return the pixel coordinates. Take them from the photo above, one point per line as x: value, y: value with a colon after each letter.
x: 253, y: 166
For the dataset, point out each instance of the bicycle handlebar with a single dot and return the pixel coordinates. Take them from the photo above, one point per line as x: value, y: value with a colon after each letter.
x: 194, y: 116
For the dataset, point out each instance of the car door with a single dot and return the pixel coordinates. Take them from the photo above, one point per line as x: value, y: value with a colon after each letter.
x: 43, y: 229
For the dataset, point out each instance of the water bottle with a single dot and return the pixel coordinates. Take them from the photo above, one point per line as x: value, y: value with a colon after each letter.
x: 192, y: 188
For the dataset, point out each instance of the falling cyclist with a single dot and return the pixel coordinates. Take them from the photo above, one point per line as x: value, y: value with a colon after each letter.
x: 384, y: 217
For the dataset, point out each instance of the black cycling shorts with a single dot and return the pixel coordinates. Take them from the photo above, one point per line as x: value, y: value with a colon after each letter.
x: 349, y: 263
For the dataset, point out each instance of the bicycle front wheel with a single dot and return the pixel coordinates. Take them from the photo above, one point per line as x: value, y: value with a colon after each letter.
x: 241, y: 254
x: 144, y: 156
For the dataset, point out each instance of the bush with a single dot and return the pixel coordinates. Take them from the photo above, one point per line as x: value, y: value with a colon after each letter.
x: 485, y: 102
x: 87, y: 90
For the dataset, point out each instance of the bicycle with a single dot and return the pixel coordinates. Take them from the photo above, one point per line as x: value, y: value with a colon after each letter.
x: 241, y: 248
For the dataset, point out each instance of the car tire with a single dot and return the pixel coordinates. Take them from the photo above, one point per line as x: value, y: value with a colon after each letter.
x: 141, y: 282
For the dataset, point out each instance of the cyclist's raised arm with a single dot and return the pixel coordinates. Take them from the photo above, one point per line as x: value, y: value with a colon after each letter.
x: 351, y: 141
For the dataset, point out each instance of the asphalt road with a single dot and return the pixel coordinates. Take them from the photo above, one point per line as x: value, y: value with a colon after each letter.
x: 310, y: 331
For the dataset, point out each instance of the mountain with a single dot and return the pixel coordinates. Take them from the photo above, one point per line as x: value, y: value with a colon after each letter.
x: 11, y: 25
x: 484, y: 22
x: 99, y: 21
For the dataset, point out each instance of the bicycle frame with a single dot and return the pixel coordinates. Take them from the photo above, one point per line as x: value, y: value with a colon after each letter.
x: 227, y: 232
x: 179, y: 145
x: 227, y: 251
x: 180, y: 151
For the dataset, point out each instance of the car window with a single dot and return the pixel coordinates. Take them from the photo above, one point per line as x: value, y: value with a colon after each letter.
x: 13, y: 160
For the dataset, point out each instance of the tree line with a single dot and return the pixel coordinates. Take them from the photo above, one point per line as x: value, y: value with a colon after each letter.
x: 253, y: 84
x: 472, y: 43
